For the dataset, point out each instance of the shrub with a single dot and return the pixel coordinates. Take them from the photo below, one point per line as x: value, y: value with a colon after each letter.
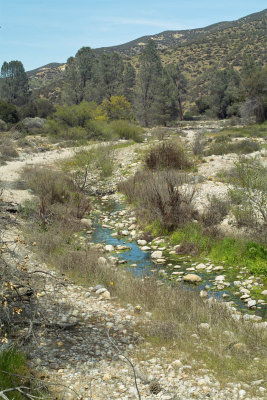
x: 167, y: 155
x: 249, y: 195
x: 3, y: 126
x: 198, y: 144
x: 241, y: 147
x: 33, y: 123
x: 8, y: 112
x: 125, y: 130
x: 164, y: 195
x: 55, y: 188
x: 215, y: 212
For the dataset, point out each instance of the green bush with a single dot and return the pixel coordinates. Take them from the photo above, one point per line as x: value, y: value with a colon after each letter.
x: 125, y: 130
x: 8, y: 112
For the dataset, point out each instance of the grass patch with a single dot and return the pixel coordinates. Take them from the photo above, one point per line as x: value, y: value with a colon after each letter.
x: 232, y: 251
x: 226, y: 147
x: 250, y: 131
x: 12, y: 361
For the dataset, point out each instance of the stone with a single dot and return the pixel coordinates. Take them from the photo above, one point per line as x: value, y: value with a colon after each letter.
x: 203, y: 293
x: 141, y: 242
x: 100, y: 291
x: 105, y: 295
x: 86, y: 221
x: 204, y: 326
x: 145, y: 248
x: 156, y: 254
x: 192, y: 278
x: 109, y: 247
x: 201, y: 266
x: 220, y: 278
x: 219, y: 268
x: 176, y: 364
x: 252, y: 303
x: 102, y: 261
x: 264, y: 293
x: 125, y: 233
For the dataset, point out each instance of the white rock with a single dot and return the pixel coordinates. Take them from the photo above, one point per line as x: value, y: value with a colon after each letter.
x: 201, y: 266
x: 264, y: 293
x: 125, y: 233
x: 105, y: 295
x: 101, y: 291
x: 192, y: 278
x: 141, y: 242
x: 109, y: 247
x: 220, y: 278
x: 203, y: 293
x: 204, y: 326
x: 252, y: 303
x: 156, y: 254
x: 145, y: 248
x: 86, y: 222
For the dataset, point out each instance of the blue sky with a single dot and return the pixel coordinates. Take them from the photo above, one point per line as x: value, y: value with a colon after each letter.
x: 38, y: 32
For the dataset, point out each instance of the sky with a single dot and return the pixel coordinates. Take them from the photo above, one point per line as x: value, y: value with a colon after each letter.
x: 38, y: 32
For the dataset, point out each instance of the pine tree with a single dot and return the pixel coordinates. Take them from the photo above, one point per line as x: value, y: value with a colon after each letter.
x: 78, y: 72
x: 129, y: 77
x: 148, y: 86
x: 180, y: 84
x: 14, y: 86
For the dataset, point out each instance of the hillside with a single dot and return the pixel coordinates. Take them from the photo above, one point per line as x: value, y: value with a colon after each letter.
x: 197, y: 50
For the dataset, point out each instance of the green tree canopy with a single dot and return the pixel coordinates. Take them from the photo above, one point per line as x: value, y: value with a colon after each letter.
x: 14, y: 86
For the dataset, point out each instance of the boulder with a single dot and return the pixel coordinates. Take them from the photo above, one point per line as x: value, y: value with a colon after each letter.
x: 156, y: 254
x: 192, y: 278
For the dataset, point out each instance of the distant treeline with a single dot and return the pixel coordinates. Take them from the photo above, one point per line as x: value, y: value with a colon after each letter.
x: 150, y: 93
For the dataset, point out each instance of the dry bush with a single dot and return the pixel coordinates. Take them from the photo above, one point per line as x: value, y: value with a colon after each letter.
x: 198, y: 144
x: 188, y: 248
x: 164, y: 195
x: 54, y: 188
x: 7, y: 148
x: 215, y: 212
x: 167, y: 155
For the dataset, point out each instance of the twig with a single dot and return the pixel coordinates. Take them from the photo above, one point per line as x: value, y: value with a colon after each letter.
x: 46, y: 383
x: 129, y: 361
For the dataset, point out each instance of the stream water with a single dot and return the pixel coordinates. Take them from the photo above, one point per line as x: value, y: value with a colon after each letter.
x: 143, y: 265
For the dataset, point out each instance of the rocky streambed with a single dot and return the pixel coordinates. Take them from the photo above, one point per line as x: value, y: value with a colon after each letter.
x: 116, y: 229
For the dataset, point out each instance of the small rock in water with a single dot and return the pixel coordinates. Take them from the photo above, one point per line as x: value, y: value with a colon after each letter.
x: 109, y: 247
x: 141, y: 242
x: 192, y: 278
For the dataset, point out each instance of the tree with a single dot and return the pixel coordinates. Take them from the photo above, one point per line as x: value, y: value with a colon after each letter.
x: 180, y: 83
x: 224, y: 94
x: 107, y: 78
x: 165, y: 106
x: 14, y: 86
x: 129, y: 77
x: 148, y: 84
x: 255, y: 93
x: 78, y: 72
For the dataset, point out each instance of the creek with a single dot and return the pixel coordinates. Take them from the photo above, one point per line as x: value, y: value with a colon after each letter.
x: 140, y: 263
